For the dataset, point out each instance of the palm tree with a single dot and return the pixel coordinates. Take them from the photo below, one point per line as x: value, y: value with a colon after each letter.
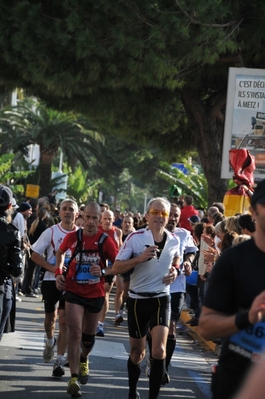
x: 33, y: 123
x: 194, y: 183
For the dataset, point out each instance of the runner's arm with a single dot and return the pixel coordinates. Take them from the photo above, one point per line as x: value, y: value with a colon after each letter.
x: 213, y: 324
x: 41, y: 261
x: 123, y: 266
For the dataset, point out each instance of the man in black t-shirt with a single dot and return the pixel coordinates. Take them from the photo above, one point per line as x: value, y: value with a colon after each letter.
x: 234, y: 306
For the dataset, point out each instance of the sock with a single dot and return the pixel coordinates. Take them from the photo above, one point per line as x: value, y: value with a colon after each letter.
x: 60, y: 358
x: 156, y: 374
x: 171, y: 343
x: 134, y: 371
x: 74, y: 375
x: 50, y: 341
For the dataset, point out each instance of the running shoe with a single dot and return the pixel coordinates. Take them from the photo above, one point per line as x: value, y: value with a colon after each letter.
x: 100, y: 330
x: 83, y: 372
x: 165, y: 379
x: 135, y: 397
x: 73, y: 387
x: 48, y: 353
x: 118, y: 319
x: 58, y: 368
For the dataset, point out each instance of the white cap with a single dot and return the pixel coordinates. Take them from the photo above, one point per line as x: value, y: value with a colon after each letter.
x: 14, y: 203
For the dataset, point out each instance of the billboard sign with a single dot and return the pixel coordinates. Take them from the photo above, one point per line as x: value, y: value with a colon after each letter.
x: 245, y: 118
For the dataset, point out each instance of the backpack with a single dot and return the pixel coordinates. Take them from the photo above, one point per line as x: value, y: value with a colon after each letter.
x: 78, y: 248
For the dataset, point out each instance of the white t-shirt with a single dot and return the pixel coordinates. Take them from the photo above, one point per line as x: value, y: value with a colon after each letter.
x: 48, y: 243
x: 186, y: 246
x: 148, y: 276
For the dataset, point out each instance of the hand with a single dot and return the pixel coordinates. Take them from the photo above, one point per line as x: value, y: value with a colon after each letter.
x: 209, y: 267
x: 95, y: 270
x: 171, y: 276
x: 60, y: 282
x: 257, y: 310
x: 149, y: 253
x: 209, y: 254
x: 187, y: 268
x: 209, y: 240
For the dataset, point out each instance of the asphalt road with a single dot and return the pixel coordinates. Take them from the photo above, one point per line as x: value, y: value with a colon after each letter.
x: 23, y: 375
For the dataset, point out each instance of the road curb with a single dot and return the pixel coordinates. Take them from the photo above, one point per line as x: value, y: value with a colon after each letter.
x: 184, y: 317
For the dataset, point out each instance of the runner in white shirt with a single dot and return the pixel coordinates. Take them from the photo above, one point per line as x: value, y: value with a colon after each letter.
x: 152, y: 254
x: 44, y: 255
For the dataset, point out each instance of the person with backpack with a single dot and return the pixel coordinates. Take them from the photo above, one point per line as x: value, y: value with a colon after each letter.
x: 48, y: 243
x: 83, y: 283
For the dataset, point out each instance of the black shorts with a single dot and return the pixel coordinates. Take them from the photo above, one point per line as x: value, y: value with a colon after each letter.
x: 126, y: 277
x: 147, y: 313
x: 93, y: 305
x: 177, y: 302
x: 51, y: 296
x: 109, y: 279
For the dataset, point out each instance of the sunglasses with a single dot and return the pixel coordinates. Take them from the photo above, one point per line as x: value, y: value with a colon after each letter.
x: 156, y: 212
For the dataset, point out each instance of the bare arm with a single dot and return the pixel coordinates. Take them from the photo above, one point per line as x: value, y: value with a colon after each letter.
x: 60, y: 278
x: 41, y: 261
x: 119, y: 236
x: 123, y: 266
x: 213, y: 324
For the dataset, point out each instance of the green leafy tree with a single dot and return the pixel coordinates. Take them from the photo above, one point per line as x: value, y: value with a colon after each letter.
x: 81, y: 187
x: 34, y: 123
x: 191, y: 183
x: 148, y: 71
x: 9, y: 175
x: 127, y: 169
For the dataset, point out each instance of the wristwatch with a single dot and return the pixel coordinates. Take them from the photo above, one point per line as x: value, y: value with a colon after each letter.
x: 103, y: 272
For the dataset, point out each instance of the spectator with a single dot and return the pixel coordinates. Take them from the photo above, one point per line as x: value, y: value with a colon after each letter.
x: 193, y: 220
x: 79, y: 221
x: 218, y: 217
x: 211, y: 212
x: 187, y: 211
x: 232, y: 224
x: 36, y: 229
x: 247, y: 224
x: 117, y: 218
x: 220, y: 206
x: 11, y: 259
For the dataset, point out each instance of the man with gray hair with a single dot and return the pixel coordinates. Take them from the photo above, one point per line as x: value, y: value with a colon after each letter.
x: 210, y: 213
x: 151, y: 255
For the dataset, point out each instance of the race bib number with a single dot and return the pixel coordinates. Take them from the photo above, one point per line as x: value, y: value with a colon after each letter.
x: 250, y: 343
x: 83, y: 275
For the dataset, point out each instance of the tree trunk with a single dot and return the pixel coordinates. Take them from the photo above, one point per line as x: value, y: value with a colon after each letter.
x: 46, y: 160
x: 207, y: 122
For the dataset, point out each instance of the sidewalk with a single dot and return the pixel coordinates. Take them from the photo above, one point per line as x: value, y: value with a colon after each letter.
x: 193, y: 331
